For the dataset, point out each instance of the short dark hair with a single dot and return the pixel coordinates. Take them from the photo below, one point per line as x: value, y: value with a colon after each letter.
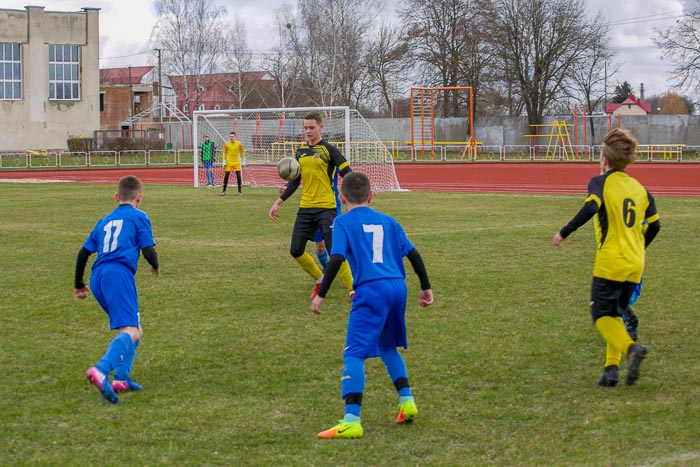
x: 314, y: 116
x: 232, y: 133
x: 356, y: 187
x: 129, y: 187
x: 619, y: 148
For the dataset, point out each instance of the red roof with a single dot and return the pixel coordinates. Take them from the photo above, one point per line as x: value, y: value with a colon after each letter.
x: 217, y: 88
x: 631, y: 100
x: 122, y: 75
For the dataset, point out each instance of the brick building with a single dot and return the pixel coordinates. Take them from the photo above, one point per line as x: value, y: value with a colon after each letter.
x: 220, y: 91
x: 128, y: 92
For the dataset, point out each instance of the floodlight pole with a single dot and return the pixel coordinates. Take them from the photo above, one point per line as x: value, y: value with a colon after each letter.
x: 160, y: 89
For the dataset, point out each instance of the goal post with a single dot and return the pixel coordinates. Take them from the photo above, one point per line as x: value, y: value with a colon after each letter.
x: 271, y: 134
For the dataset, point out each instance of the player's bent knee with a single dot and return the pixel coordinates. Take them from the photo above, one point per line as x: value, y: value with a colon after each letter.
x: 133, y: 332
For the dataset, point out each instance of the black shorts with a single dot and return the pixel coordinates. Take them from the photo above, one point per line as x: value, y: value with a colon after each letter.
x: 311, y: 219
x: 610, y: 298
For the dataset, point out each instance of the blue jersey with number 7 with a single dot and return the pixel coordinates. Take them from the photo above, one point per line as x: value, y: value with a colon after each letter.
x: 120, y: 236
x: 373, y: 243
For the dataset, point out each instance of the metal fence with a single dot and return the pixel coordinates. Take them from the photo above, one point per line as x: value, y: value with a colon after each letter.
x: 467, y: 152
x: 399, y: 152
x: 96, y: 159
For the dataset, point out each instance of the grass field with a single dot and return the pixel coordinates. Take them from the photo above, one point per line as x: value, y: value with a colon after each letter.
x: 238, y: 371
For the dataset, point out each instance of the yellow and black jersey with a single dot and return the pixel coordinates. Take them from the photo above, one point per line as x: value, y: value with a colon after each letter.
x: 621, y: 205
x: 319, y: 164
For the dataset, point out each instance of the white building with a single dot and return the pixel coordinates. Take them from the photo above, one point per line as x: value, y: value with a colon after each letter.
x: 49, y: 77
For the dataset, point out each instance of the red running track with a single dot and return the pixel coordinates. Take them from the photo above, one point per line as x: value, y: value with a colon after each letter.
x: 669, y: 179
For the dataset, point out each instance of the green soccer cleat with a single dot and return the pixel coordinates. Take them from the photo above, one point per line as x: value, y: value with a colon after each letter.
x: 407, y: 412
x: 343, y: 430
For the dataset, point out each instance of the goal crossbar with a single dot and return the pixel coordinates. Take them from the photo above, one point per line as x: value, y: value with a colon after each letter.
x: 271, y: 134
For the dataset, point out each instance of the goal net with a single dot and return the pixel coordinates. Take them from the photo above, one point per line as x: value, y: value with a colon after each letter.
x: 268, y: 135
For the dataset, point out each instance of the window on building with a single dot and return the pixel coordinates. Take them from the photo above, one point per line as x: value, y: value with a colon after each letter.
x: 64, y: 72
x: 217, y: 107
x: 102, y: 102
x: 10, y: 71
x: 202, y: 107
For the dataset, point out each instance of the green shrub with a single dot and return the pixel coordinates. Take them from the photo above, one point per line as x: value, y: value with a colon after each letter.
x: 80, y: 144
x: 133, y: 144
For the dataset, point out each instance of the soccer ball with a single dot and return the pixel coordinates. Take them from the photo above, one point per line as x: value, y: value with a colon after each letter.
x: 288, y: 168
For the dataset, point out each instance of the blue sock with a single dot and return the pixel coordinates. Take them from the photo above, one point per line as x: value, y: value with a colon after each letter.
x: 396, y: 367
x: 353, y: 382
x: 323, y: 258
x: 116, y: 351
x: 122, y: 370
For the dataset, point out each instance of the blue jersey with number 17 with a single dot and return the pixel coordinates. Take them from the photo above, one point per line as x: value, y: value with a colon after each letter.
x: 120, y: 236
x: 373, y: 243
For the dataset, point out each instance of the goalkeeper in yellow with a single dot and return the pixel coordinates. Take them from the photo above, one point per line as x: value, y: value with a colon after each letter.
x: 232, y: 154
x: 620, y: 205
x: 319, y: 161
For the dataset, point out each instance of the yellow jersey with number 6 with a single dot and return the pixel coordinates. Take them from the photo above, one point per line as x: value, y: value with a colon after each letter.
x: 623, y: 205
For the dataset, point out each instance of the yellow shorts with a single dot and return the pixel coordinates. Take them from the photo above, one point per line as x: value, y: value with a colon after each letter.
x: 234, y: 167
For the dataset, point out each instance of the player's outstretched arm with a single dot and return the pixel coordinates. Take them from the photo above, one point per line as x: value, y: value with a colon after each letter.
x: 329, y: 274
x: 273, y: 210
x: 149, y: 253
x: 589, y: 209
x: 81, y: 290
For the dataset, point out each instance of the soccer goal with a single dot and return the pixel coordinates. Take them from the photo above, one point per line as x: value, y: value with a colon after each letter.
x: 271, y: 134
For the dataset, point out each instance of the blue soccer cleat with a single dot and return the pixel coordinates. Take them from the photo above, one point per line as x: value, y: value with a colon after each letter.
x: 101, y: 382
x: 125, y: 385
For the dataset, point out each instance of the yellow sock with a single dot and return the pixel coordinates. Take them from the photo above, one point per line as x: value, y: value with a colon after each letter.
x: 346, y: 275
x: 616, y: 338
x: 308, y: 264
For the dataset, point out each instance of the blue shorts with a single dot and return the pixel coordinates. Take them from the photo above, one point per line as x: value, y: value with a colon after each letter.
x: 318, y: 236
x: 377, y: 318
x: 207, y: 165
x: 114, y: 288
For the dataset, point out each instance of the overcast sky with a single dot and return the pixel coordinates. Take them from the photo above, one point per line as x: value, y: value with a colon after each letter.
x: 125, y: 28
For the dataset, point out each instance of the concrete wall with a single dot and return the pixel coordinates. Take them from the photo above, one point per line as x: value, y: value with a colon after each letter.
x: 499, y: 131
x: 35, y: 122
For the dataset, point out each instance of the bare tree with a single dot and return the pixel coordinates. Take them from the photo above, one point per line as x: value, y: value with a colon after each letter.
x: 189, y: 34
x: 542, y: 42
x: 239, y: 60
x: 673, y: 104
x: 588, y: 78
x: 283, y: 62
x: 386, y: 63
x: 329, y: 37
x: 439, y: 37
x: 681, y: 45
